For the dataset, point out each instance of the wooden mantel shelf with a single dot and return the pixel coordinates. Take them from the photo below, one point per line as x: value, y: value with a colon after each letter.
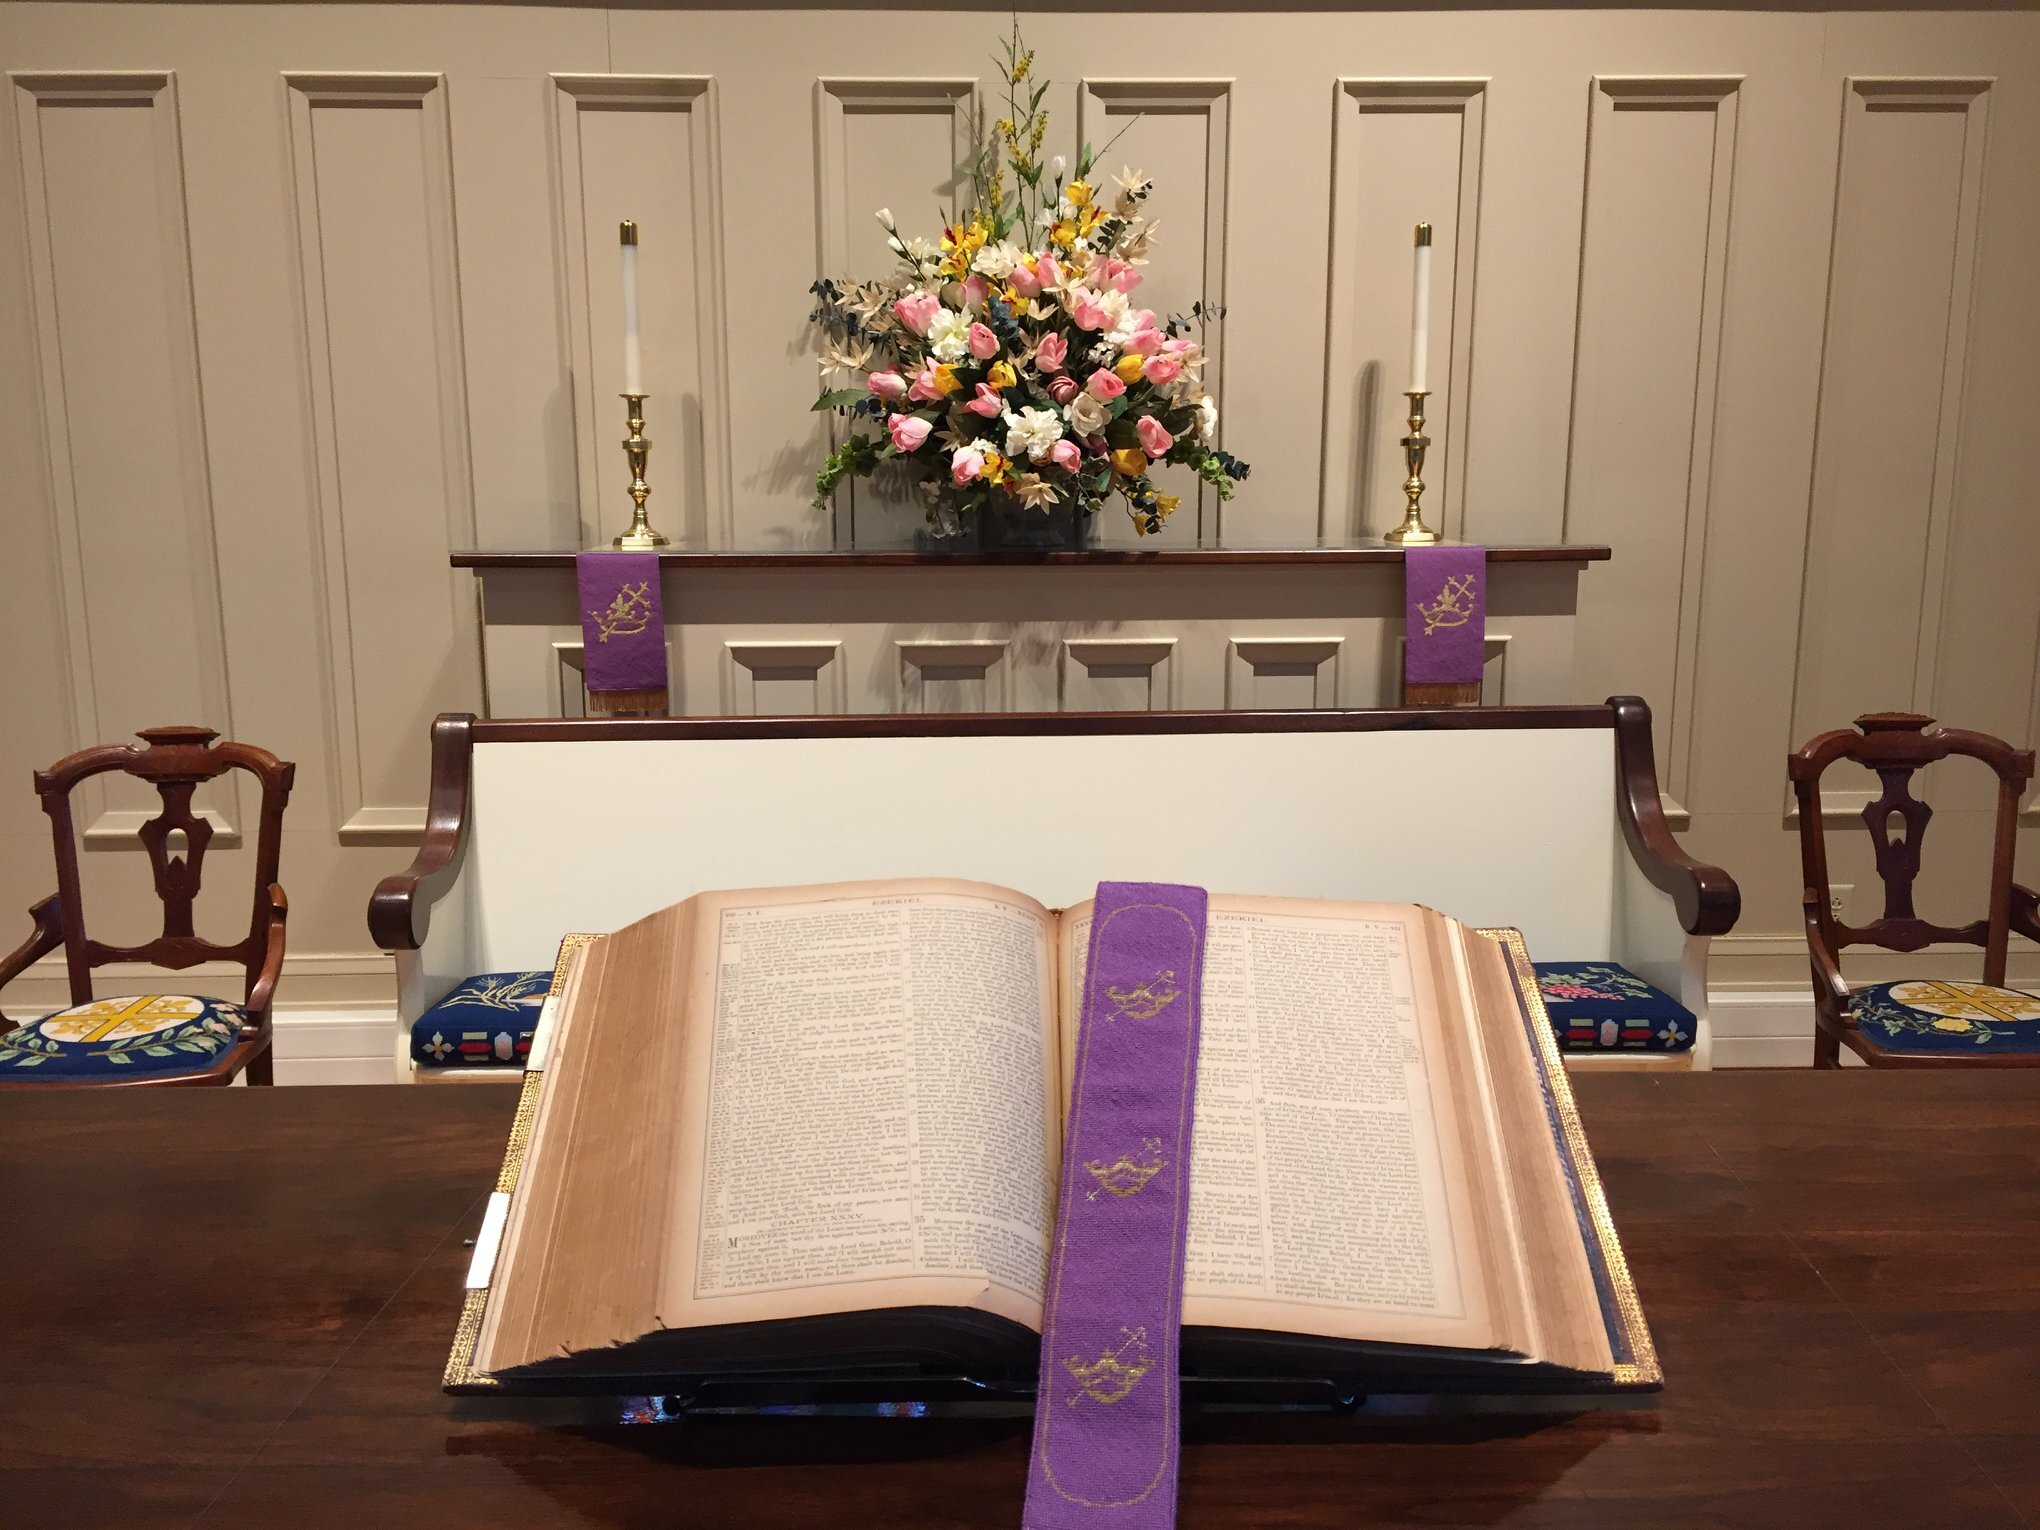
x: 1099, y: 557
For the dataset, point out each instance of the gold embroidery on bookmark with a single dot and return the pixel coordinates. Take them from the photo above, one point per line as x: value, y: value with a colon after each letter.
x: 629, y: 613
x: 1123, y: 1176
x: 1148, y: 999
x: 1116, y: 1371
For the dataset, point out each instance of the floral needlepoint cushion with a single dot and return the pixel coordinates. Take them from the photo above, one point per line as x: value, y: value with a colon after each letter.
x: 115, y: 1038
x: 1955, y: 1018
x: 485, y: 1022
x: 1604, y: 1007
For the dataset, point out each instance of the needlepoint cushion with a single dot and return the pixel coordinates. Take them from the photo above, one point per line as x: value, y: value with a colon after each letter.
x: 1949, y: 1018
x: 485, y: 1022
x: 112, y: 1038
x: 1604, y: 1007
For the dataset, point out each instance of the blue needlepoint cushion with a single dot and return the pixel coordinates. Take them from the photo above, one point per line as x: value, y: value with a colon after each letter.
x: 485, y: 1022
x: 120, y: 1038
x: 1604, y: 1007
x: 1959, y: 1019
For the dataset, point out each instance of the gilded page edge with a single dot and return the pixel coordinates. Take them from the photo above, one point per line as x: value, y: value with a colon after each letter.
x: 461, y: 1376
x: 1643, y: 1370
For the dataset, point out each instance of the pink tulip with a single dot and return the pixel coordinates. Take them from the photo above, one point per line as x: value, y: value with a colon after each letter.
x: 1162, y: 369
x: 1086, y: 311
x: 1065, y: 454
x: 918, y: 311
x: 1104, y: 385
x: 889, y: 386
x: 908, y: 432
x: 1154, y: 439
x: 1062, y: 387
x: 983, y: 343
x: 966, y: 466
x: 1024, y: 281
x: 1050, y: 355
x: 1119, y: 276
x: 924, y: 390
x: 975, y: 291
x: 1143, y: 342
x: 987, y: 403
x: 1046, y: 268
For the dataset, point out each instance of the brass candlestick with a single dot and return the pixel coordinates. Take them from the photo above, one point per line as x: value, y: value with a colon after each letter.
x: 636, y: 448
x: 1413, y: 532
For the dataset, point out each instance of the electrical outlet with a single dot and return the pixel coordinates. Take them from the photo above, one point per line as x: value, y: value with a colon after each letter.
x: 1838, y: 900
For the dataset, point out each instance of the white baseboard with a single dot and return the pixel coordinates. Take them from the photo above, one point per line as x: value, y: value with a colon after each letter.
x: 1759, y: 1028
x: 334, y: 1046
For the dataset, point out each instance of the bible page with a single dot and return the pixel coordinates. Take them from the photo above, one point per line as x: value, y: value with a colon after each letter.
x: 870, y: 1090
x: 1329, y: 1191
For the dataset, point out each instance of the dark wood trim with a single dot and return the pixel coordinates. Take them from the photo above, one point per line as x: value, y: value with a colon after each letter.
x: 1706, y: 897
x: 1098, y: 557
x: 396, y: 903
x: 527, y: 730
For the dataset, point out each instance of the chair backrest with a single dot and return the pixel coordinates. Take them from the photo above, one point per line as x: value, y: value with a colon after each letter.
x: 176, y: 761
x: 1895, y: 745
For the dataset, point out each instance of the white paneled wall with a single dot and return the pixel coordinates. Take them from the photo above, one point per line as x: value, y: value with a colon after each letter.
x: 294, y: 299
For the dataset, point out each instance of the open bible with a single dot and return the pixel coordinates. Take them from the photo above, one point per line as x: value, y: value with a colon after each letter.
x: 800, y: 1138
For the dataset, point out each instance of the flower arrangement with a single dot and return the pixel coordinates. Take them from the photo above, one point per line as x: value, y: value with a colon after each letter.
x: 1008, y: 364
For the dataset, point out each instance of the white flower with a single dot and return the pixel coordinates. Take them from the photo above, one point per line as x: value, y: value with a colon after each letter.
x: 885, y: 218
x: 998, y: 260
x: 949, y: 336
x: 1122, y: 315
x: 1032, y: 431
x: 1207, y: 419
x: 1086, y: 415
x: 1057, y: 165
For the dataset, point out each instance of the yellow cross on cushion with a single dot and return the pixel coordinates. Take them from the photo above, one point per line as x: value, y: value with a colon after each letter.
x: 1931, y: 1015
x: 135, y: 1033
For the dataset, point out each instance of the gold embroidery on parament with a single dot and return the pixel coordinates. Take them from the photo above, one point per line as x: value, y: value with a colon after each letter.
x: 1148, y: 999
x: 1116, y: 1371
x: 630, y: 611
x: 1453, y: 606
x: 1124, y: 1177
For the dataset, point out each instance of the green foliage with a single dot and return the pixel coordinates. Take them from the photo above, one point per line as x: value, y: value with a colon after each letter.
x: 854, y: 458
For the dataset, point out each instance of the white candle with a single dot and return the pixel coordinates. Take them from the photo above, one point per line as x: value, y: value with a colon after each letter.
x: 1420, y: 324
x: 633, y: 369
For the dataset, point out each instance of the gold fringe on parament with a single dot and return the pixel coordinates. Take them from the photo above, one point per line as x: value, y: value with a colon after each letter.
x: 461, y: 1375
x: 645, y: 703
x: 1642, y: 1369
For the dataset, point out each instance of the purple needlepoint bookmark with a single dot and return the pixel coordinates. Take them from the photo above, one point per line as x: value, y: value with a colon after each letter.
x: 1106, y: 1416
x: 1445, y: 594
x: 623, y: 630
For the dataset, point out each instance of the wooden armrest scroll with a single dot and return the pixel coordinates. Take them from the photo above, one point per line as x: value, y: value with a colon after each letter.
x: 1830, y: 988
x: 398, y: 902
x: 263, y: 989
x: 1706, y: 897
x: 48, y: 935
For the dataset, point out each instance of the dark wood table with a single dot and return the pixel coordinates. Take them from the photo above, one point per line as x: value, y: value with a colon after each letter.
x: 230, y: 1308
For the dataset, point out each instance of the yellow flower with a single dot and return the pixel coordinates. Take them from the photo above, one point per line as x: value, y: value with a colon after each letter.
x: 1026, y: 63
x: 995, y: 468
x: 1950, y: 1024
x: 1130, y: 368
x: 945, y: 380
x: 1166, y: 504
x: 1062, y: 234
x: 1129, y: 462
x: 1088, y: 219
x: 1078, y: 193
x: 1002, y: 376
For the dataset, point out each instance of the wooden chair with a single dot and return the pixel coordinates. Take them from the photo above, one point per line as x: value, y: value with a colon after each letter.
x: 1919, y: 1023
x: 157, y: 1038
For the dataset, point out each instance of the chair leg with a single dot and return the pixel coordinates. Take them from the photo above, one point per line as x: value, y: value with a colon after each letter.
x: 1827, y: 1047
x: 262, y: 1067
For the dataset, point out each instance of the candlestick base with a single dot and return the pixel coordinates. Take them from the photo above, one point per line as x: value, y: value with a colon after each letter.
x: 1413, y: 532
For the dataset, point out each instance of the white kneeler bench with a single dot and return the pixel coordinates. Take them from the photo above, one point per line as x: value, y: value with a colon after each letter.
x: 1545, y: 818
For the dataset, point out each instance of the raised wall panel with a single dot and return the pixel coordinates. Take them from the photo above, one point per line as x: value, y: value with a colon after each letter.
x: 894, y: 144
x: 1282, y: 674
x: 952, y: 675
x: 372, y: 183
x: 116, y: 361
x: 1178, y: 134
x: 644, y: 148
x: 1404, y: 152
x: 1117, y: 675
x: 783, y: 679
x: 1653, y: 268
x: 1907, y: 202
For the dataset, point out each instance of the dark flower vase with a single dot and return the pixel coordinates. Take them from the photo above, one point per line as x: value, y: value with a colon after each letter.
x: 1014, y: 528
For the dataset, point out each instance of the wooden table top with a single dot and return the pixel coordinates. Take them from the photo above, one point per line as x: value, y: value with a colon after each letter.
x: 231, y: 1307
